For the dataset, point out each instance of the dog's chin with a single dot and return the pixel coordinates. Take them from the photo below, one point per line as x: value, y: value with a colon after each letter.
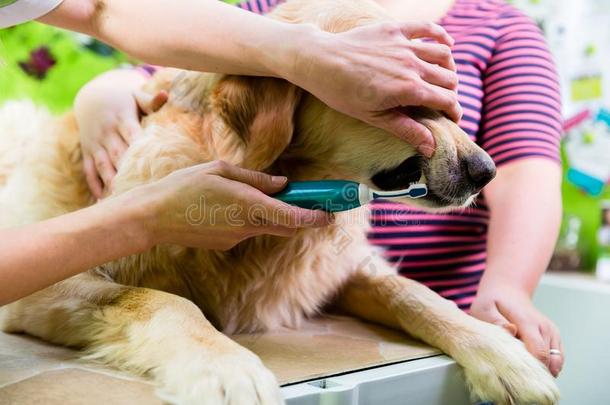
x: 439, y: 204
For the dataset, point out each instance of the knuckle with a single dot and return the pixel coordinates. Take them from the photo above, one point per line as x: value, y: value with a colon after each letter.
x: 408, y: 52
x: 430, y: 26
x: 452, y: 99
x: 259, y: 178
x: 410, y: 78
x: 390, y: 28
x: 453, y: 80
x: 219, y: 166
x: 108, y: 126
x: 418, y: 93
x: 402, y: 94
x: 444, y: 51
x: 115, y: 151
x: 409, y: 84
x: 101, y: 164
x: 411, y: 46
x: 543, y: 356
x: 129, y: 133
x: 293, y: 216
x: 411, y: 60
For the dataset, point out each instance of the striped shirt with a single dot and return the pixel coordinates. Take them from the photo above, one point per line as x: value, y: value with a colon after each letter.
x: 509, y: 92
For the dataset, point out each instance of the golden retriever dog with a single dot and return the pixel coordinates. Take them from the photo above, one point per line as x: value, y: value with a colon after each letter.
x: 165, y: 313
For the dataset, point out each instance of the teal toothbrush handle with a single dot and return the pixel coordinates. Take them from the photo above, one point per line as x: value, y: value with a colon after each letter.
x: 327, y: 195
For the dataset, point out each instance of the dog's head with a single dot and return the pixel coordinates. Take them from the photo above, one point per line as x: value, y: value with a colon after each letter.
x: 269, y: 124
x: 327, y: 144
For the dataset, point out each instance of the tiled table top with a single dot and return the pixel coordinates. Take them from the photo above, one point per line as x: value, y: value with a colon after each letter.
x: 34, y: 372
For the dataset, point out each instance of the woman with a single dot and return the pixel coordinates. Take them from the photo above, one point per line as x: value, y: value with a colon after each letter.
x: 488, y: 258
x: 209, y: 35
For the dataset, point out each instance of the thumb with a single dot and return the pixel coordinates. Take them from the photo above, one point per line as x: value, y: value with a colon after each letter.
x: 150, y: 103
x: 494, y: 316
x: 408, y: 130
x: 266, y: 183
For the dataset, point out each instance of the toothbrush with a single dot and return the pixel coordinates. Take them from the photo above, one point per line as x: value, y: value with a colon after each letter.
x: 340, y: 195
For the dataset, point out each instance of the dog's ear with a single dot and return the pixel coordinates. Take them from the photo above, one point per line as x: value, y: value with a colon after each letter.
x: 257, y: 116
x: 332, y: 16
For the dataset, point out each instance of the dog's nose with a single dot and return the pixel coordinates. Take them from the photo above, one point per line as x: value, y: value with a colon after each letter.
x: 480, y: 169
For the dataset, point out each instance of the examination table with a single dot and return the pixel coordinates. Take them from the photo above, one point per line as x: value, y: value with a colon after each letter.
x: 333, y: 360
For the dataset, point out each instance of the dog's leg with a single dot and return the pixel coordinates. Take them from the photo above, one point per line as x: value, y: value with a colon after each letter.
x: 146, y: 332
x: 496, y: 365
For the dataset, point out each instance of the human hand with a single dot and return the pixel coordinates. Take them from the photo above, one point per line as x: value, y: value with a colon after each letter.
x: 512, y: 309
x: 108, y: 111
x: 371, y: 71
x: 217, y: 205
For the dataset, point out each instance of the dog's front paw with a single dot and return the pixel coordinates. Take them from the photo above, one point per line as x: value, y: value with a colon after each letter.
x: 500, y: 370
x: 235, y: 378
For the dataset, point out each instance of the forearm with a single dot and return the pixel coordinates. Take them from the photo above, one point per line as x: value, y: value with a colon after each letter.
x: 96, y: 94
x: 38, y: 255
x: 205, y: 35
x: 525, y: 206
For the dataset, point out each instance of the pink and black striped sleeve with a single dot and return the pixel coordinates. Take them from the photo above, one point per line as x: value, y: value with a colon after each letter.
x: 259, y: 6
x: 521, y: 115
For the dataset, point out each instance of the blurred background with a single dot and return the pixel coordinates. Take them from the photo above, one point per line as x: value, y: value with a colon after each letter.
x: 578, y: 33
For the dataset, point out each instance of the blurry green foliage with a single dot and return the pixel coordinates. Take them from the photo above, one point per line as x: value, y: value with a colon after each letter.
x: 75, y: 65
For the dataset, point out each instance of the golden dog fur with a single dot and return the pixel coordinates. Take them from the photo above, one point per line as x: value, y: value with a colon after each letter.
x: 162, y: 313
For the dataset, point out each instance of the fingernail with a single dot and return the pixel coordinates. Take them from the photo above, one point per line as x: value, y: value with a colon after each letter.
x: 278, y: 180
x: 426, y: 150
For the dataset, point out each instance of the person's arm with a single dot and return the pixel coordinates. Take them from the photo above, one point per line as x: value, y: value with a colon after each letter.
x: 525, y: 205
x: 521, y: 130
x: 41, y: 254
x: 366, y: 72
x: 108, y: 111
x: 205, y: 206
